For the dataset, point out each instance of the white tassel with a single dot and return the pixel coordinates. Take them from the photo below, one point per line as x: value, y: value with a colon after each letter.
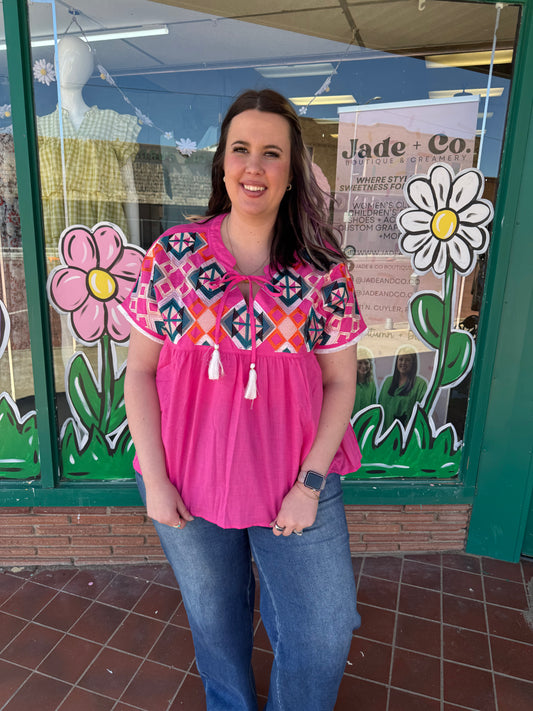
x: 251, y: 388
x: 215, y: 369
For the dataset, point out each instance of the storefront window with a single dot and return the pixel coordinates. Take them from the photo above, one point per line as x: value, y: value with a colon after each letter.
x: 19, y: 450
x: 129, y: 98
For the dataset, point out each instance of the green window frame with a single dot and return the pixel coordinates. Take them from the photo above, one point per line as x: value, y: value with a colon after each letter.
x: 516, y: 178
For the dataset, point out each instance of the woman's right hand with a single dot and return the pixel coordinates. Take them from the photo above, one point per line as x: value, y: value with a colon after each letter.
x: 165, y: 505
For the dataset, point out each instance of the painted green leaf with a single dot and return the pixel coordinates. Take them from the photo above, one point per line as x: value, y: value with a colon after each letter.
x: 366, y: 426
x: 423, y: 455
x: 458, y: 357
x: 83, y: 391
x: 19, y: 446
x: 97, y: 460
x: 125, y: 445
x: 118, y: 408
x: 427, y: 314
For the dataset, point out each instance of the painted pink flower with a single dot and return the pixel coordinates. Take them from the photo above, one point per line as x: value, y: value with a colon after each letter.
x: 98, y: 271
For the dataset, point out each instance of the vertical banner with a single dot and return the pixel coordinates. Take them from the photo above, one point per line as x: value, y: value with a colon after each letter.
x: 379, y: 148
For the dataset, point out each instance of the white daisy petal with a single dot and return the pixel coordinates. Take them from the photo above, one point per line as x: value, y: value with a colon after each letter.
x: 420, y: 194
x: 476, y: 237
x: 441, y: 181
x: 460, y: 254
x: 441, y: 262
x: 476, y: 214
x: 413, y: 242
x: 466, y: 188
x: 415, y: 221
x: 423, y: 259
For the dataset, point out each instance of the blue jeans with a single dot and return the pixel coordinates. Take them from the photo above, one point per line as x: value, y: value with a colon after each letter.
x: 308, y: 606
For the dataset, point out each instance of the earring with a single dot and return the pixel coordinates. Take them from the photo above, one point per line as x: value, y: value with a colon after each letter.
x: 224, y: 178
x: 289, y: 187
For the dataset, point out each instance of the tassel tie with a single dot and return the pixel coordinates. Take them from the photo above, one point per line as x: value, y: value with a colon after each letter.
x: 232, y: 281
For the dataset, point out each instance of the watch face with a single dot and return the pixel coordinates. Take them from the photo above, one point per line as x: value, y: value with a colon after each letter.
x: 314, y: 481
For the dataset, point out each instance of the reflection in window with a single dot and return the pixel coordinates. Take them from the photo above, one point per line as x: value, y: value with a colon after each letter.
x: 19, y: 454
x: 128, y: 130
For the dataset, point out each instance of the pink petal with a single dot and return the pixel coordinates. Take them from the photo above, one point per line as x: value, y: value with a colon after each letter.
x: 88, y: 321
x: 110, y: 245
x: 128, y: 265
x: 124, y: 288
x: 118, y: 326
x: 68, y: 288
x: 78, y: 249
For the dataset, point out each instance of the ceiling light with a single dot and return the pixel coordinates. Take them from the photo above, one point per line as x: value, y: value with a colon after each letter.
x: 283, y: 71
x: 102, y: 35
x: 323, y: 100
x: 448, y: 93
x: 468, y: 59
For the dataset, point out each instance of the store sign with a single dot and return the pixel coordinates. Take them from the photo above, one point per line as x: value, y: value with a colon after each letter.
x: 379, y: 149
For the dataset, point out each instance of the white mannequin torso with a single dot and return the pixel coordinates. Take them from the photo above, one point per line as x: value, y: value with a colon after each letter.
x: 75, y: 66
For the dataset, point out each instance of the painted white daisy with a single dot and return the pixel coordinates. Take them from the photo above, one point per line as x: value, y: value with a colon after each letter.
x: 5, y: 111
x: 186, y: 147
x: 44, y: 72
x: 106, y: 76
x: 143, y: 118
x: 168, y: 135
x: 447, y: 223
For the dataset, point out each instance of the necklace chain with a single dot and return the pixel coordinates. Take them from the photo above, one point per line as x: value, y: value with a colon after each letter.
x: 258, y: 269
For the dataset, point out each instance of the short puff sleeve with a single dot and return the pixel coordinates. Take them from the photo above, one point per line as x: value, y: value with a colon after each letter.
x: 343, y: 322
x: 141, y: 307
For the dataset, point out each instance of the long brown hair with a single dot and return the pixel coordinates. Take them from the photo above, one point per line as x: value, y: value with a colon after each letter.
x: 301, y: 226
x: 411, y: 376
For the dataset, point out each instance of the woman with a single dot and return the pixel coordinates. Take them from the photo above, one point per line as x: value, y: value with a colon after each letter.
x: 239, y: 389
x: 403, y: 389
x: 365, y: 393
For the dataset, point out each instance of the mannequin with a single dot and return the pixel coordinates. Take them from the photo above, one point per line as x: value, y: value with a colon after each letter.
x: 75, y: 66
x: 98, y: 148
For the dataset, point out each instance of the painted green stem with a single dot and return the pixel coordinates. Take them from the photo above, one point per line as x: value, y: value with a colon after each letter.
x: 108, y: 381
x: 446, y: 328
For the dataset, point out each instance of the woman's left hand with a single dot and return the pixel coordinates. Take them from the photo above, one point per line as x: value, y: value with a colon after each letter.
x: 298, y: 511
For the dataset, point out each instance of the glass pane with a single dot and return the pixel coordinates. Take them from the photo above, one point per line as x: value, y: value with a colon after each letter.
x: 19, y: 453
x: 129, y: 107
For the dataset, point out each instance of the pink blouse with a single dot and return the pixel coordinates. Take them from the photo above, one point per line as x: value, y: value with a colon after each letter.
x: 234, y: 439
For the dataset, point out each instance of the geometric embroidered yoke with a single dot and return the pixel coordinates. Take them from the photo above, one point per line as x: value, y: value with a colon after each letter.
x: 234, y: 459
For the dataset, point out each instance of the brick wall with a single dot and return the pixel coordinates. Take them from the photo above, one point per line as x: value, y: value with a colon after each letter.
x: 90, y: 536
x: 380, y: 529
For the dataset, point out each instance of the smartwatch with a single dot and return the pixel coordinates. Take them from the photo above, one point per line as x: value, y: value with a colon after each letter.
x: 312, y: 480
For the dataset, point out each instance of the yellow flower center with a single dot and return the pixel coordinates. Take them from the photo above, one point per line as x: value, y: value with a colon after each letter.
x: 444, y: 223
x: 43, y: 71
x: 101, y: 284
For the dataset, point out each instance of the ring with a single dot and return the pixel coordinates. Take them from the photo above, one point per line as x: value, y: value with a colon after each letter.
x: 279, y: 528
x: 298, y: 533
x: 177, y: 526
